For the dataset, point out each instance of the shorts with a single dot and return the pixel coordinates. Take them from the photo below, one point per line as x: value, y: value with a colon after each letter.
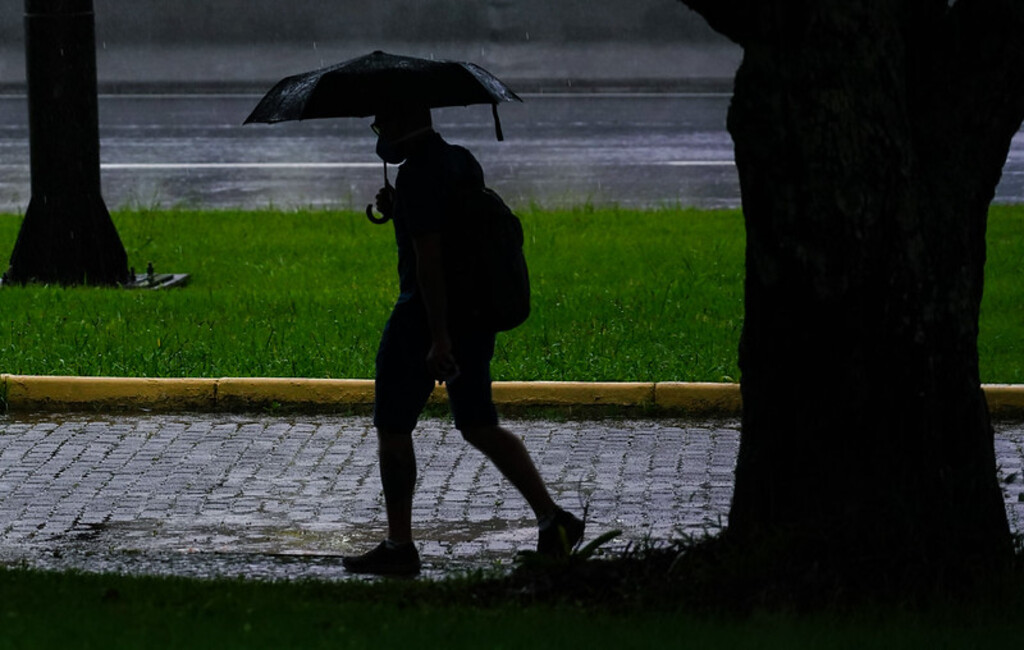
x: 403, y: 384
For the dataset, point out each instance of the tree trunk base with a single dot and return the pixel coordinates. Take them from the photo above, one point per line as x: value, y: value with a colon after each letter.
x: 806, y: 571
x: 68, y: 242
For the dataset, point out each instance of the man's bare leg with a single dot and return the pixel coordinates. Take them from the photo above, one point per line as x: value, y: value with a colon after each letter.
x: 397, y: 554
x: 509, y: 455
x: 398, y: 477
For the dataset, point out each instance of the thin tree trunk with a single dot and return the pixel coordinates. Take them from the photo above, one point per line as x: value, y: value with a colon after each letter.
x: 67, y: 236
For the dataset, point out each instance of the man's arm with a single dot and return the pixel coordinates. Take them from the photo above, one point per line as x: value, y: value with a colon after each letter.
x: 430, y: 278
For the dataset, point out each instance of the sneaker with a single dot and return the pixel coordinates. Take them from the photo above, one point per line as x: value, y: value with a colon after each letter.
x: 386, y: 559
x: 561, y: 536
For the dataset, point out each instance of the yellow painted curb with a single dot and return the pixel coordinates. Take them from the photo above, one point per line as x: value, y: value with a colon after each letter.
x: 698, y: 397
x: 572, y: 393
x: 1004, y: 399
x: 33, y: 392
x: 55, y: 393
x: 241, y: 392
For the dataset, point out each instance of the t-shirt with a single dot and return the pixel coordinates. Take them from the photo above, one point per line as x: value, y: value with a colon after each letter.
x: 424, y: 188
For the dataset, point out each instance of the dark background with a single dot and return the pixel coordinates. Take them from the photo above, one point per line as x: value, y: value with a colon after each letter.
x: 242, y: 21
x: 537, y: 44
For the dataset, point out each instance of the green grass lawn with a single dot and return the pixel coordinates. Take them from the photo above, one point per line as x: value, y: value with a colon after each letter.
x: 619, y: 295
x: 1001, y: 339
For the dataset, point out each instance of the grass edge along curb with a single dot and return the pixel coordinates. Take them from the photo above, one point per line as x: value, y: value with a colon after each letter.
x: 67, y: 393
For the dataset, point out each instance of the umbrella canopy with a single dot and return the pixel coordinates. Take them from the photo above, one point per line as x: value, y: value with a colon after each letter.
x: 378, y: 83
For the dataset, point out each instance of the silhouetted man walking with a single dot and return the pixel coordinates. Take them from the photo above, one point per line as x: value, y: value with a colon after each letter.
x: 423, y: 343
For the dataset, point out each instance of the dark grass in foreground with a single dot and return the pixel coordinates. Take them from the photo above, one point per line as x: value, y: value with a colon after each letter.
x: 632, y: 601
x: 619, y: 295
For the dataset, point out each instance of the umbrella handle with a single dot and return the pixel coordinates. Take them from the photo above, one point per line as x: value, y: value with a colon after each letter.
x: 374, y: 219
x: 369, y: 208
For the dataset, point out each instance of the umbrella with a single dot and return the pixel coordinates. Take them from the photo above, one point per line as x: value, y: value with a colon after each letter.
x: 379, y: 82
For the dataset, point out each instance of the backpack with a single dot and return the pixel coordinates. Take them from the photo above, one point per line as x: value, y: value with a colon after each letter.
x: 486, y: 278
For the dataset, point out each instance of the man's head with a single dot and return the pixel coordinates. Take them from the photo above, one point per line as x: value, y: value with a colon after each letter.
x: 397, y: 130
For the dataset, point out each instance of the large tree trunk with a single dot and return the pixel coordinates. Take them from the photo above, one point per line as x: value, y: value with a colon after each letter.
x: 869, y: 140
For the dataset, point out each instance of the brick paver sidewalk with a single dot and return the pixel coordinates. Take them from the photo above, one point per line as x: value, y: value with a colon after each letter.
x: 285, y: 497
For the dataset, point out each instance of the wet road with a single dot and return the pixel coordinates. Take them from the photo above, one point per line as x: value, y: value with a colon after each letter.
x: 632, y: 149
x: 191, y: 149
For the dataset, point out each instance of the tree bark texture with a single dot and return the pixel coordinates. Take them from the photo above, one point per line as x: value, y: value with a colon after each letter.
x: 869, y: 139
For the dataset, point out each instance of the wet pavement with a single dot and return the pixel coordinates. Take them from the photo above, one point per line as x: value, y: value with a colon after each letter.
x: 636, y: 149
x: 284, y: 497
x: 634, y: 124
x: 647, y: 149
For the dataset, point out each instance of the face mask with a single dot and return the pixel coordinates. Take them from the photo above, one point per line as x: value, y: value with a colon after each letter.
x: 391, y: 153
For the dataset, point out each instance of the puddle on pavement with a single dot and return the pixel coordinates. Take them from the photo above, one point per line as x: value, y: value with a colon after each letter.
x: 142, y: 547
